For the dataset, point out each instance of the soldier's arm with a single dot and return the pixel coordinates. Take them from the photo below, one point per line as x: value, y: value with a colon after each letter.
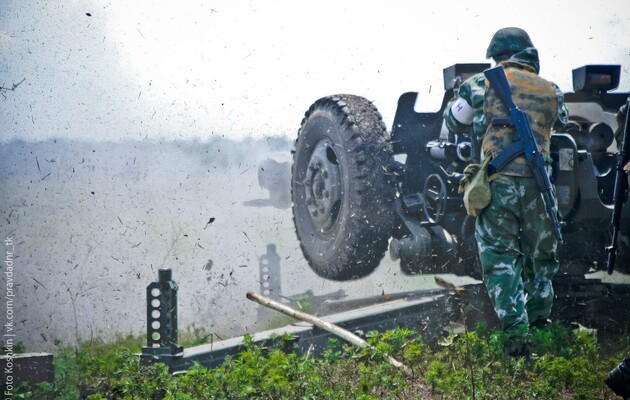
x: 467, y: 109
x: 563, y: 112
x: 458, y: 114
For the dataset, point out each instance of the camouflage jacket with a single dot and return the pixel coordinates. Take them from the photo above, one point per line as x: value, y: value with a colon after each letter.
x: 473, y: 91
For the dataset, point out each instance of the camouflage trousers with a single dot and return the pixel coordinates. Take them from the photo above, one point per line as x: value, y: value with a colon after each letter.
x: 517, y: 249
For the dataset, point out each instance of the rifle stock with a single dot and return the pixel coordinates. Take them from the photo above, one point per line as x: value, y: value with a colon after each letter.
x: 499, y: 82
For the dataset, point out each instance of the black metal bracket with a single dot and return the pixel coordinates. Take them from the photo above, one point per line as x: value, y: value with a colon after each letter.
x: 161, y: 321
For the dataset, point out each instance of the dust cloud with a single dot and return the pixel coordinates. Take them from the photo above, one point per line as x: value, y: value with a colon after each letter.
x: 92, y: 222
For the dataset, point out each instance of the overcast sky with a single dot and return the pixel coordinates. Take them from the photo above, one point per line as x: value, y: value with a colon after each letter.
x: 120, y: 69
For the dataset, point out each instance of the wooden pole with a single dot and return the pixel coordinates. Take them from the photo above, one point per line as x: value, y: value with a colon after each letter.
x: 327, y: 326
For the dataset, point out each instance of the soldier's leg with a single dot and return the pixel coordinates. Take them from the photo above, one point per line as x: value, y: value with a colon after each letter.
x: 497, y: 234
x: 542, y: 264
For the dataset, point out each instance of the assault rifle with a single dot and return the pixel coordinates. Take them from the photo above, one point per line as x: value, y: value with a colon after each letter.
x: 621, y: 185
x: 526, y: 145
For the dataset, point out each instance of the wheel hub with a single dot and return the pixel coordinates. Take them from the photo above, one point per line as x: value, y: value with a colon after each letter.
x: 323, y: 186
x: 435, y: 195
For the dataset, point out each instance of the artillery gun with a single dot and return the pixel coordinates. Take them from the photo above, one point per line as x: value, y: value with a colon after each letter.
x: 359, y: 189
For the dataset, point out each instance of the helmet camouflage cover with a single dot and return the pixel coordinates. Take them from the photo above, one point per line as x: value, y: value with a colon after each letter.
x: 508, y: 41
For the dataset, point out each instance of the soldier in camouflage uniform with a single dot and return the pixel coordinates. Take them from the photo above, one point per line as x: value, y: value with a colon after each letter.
x: 517, y: 247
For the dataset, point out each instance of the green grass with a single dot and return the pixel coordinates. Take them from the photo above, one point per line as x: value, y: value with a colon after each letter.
x: 568, y: 365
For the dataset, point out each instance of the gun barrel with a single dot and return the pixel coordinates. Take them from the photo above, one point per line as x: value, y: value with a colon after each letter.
x: 612, y: 255
x: 619, y: 194
x: 551, y: 212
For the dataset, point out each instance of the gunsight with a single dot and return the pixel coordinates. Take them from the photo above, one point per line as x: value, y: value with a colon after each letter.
x: 598, y: 78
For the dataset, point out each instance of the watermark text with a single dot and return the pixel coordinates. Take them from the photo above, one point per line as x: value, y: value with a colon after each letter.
x: 9, y: 316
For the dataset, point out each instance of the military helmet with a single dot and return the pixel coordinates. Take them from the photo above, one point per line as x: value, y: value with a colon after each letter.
x: 508, y: 41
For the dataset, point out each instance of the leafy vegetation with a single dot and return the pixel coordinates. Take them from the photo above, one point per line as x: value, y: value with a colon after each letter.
x: 567, y: 364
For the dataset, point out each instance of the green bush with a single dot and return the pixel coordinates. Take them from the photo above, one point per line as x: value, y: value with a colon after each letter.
x: 567, y: 365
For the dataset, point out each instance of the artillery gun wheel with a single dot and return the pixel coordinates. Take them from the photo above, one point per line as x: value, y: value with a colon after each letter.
x: 341, y: 190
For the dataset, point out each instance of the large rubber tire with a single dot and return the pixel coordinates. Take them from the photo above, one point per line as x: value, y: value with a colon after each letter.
x: 342, y: 192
